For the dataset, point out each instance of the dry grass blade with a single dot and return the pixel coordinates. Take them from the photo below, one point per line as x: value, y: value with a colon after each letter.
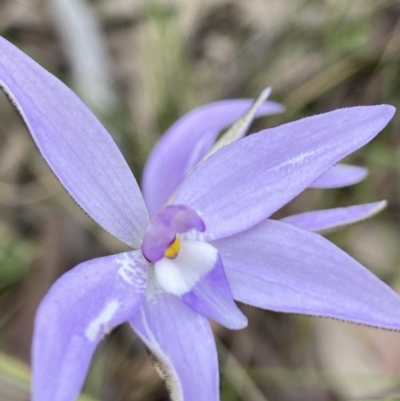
x: 15, y: 380
x: 81, y: 34
x: 237, y: 375
x: 241, y: 126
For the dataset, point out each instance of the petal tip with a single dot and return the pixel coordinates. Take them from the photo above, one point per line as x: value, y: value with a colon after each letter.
x: 387, y: 110
x: 380, y: 205
x: 243, y: 324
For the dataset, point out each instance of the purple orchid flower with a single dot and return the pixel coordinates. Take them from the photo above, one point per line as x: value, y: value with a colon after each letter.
x: 210, y: 245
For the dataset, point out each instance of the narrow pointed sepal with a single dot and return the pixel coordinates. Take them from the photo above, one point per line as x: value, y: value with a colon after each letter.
x: 326, y: 221
x: 182, y: 346
x: 283, y: 268
x: 82, y: 307
x: 78, y: 149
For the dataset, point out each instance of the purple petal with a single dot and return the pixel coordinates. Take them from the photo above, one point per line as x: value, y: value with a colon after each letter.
x: 182, y: 345
x: 323, y: 221
x: 76, y: 146
x: 197, y: 276
x: 187, y: 142
x: 248, y: 180
x: 82, y: 307
x: 212, y: 298
x: 164, y: 226
x: 284, y: 268
x: 341, y: 175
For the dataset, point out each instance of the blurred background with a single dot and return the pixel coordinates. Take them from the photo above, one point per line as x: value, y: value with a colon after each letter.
x: 141, y: 64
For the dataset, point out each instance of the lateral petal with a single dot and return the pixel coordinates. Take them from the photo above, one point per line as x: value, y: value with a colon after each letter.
x: 76, y: 146
x: 246, y: 181
x: 324, y: 221
x: 182, y: 345
x: 186, y: 143
x: 283, y: 268
x: 341, y: 175
x: 197, y: 276
x: 212, y: 298
x: 82, y: 307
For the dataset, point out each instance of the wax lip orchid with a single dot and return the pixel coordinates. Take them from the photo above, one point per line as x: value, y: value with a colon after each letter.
x: 209, y: 240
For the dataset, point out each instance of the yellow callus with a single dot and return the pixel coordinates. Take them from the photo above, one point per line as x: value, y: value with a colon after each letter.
x: 172, y: 251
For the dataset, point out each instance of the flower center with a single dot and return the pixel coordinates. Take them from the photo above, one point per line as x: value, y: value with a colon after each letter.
x: 161, y: 235
x: 173, y: 250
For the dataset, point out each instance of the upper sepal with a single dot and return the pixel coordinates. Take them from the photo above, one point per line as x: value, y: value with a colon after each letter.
x: 75, y: 145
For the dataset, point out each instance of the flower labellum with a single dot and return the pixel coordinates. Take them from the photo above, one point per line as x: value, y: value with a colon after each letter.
x: 209, y: 240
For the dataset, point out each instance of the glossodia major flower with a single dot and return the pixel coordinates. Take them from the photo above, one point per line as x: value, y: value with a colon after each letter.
x: 211, y: 244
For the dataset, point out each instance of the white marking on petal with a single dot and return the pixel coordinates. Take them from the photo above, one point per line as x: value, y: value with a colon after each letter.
x: 296, y: 160
x: 131, y: 271
x: 178, y: 276
x: 101, y: 321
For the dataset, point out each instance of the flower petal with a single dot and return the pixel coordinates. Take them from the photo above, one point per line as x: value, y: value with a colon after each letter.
x: 324, y: 221
x: 187, y: 142
x: 76, y: 146
x: 183, y: 347
x: 198, y: 277
x: 80, y: 309
x: 341, y: 175
x: 248, y: 180
x: 284, y: 268
x: 212, y: 298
